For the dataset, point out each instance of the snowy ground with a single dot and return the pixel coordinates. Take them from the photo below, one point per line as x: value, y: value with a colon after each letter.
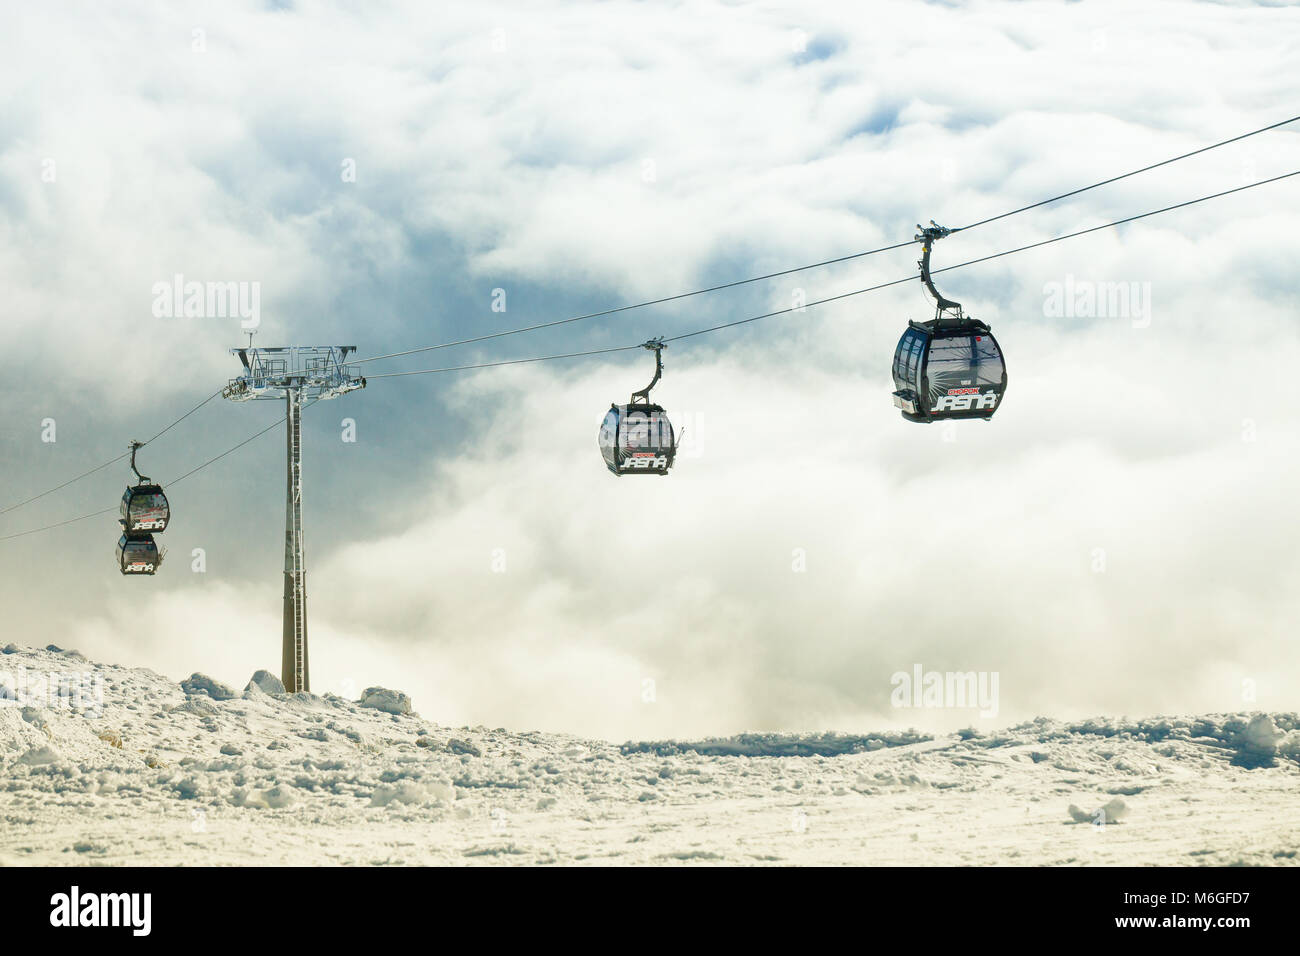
x: 161, y: 776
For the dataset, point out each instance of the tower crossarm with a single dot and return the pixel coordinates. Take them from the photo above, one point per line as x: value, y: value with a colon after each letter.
x: 317, y: 371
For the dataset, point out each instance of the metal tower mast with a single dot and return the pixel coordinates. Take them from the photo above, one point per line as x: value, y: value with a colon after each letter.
x: 320, y: 372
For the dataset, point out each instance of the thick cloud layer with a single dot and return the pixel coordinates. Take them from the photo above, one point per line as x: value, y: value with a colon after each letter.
x: 1116, y: 541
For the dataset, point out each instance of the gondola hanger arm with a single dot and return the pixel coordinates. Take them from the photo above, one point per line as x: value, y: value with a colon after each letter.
x: 927, y: 236
x: 136, y: 446
x: 657, y: 346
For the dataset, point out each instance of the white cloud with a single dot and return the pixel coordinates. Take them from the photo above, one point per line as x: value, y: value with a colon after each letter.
x: 516, y: 160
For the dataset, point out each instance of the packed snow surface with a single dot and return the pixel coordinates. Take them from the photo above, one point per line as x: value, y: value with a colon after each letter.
x: 160, y: 772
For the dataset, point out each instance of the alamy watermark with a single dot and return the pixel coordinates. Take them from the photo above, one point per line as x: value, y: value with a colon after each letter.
x: 179, y: 299
x: 1086, y: 299
x: 131, y: 911
x: 56, y: 690
x: 954, y: 690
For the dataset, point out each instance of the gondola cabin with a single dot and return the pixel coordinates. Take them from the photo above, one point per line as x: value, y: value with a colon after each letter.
x: 138, y: 554
x: 637, y: 440
x: 144, y: 508
x: 951, y: 366
x: 948, y: 368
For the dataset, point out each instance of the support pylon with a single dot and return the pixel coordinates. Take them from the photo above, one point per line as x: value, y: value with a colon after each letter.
x: 320, y: 372
x: 293, y: 667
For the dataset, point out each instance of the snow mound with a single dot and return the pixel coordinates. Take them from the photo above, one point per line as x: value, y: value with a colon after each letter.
x: 266, y: 682
x: 38, y: 756
x: 1109, y: 813
x: 196, y: 705
x: 275, y: 798
x: 389, y: 701
x: 1257, y: 744
x: 414, y: 792
x: 202, y: 684
x: 170, y: 775
x: 780, y: 745
x: 1289, y: 746
x: 1229, y: 730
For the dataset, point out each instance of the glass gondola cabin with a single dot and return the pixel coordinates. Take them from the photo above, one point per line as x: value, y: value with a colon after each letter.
x: 138, y: 554
x: 144, y: 508
x: 948, y: 368
x: 637, y: 440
